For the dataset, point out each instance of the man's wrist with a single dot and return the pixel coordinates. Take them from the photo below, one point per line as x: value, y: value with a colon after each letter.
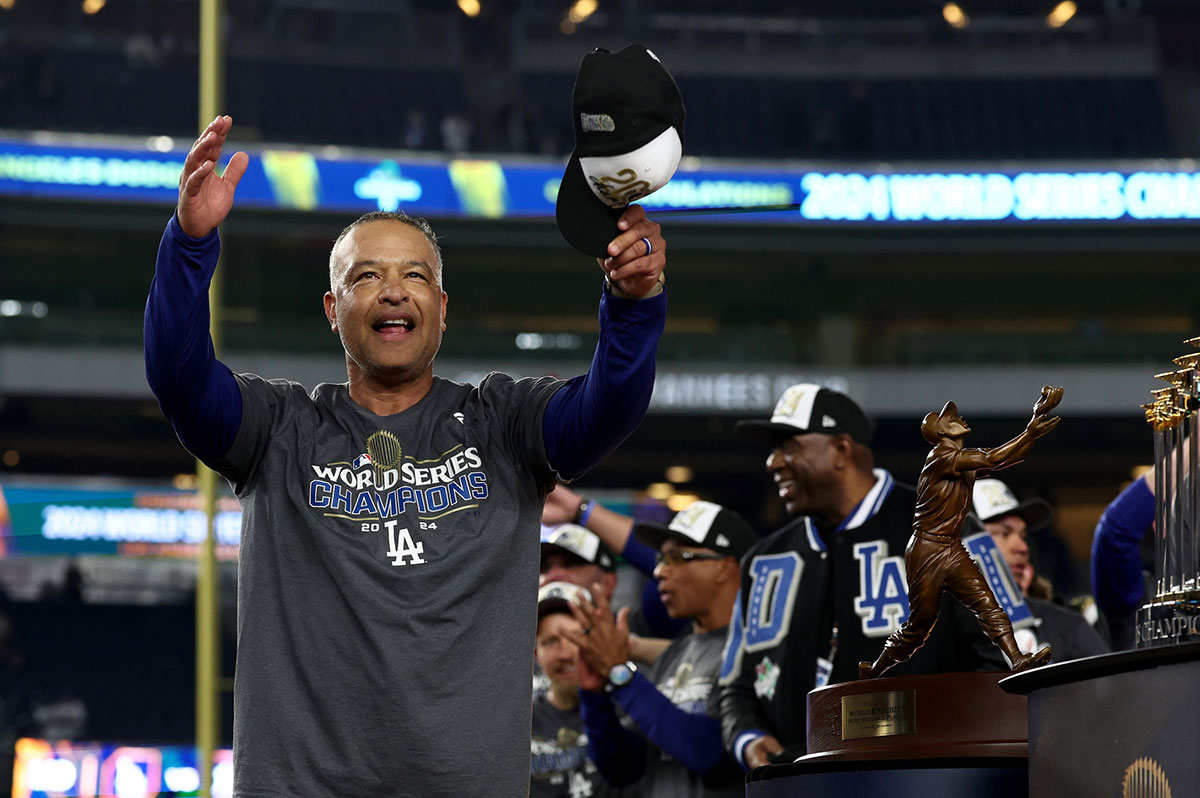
x: 583, y: 512
x: 744, y: 741
x: 184, y: 237
x: 616, y: 291
x: 620, y: 674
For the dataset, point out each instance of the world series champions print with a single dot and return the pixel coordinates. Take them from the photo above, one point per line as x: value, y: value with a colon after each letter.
x: 384, y: 491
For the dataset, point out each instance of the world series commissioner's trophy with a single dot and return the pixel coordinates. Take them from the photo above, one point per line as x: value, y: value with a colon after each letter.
x: 1173, y: 616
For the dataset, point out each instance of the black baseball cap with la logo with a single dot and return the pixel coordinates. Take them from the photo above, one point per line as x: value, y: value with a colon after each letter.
x: 628, y: 117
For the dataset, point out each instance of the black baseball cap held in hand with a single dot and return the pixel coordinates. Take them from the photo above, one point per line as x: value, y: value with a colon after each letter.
x: 628, y: 117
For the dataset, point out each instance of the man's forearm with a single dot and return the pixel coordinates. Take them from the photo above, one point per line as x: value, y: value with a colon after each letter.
x: 591, y: 415
x: 1116, y: 549
x: 741, y: 722
x: 197, y: 392
x: 618, y: 753
x: 692, y: 739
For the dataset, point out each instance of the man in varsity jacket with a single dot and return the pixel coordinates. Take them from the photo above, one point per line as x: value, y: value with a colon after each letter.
x: 826, y: 590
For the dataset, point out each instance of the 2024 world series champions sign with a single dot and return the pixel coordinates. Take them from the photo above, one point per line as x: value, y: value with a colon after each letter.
x: 126, y: 169
x: 1173, y: 616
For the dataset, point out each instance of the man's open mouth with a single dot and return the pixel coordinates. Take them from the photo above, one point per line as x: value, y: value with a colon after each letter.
x: 393, y: 325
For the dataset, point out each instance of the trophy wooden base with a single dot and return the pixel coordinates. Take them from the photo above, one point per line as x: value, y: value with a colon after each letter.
x: 915, y: 717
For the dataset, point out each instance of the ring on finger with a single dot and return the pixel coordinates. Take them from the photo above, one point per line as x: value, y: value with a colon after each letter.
x: 649, y: 248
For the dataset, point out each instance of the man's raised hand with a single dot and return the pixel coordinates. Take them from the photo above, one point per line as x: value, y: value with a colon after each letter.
x: 204, y: 196
x: 638, y: 255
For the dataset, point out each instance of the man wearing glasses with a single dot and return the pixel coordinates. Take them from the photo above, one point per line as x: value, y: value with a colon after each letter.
x: 676, y: 747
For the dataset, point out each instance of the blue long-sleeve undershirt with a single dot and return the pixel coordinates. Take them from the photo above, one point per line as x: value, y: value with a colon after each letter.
x: 1117, y: 579
x: 639, y: 555
x: 619, y: 754
x: 196, y: 392
x: 693, y: 740
x: 592, y: 414
x: 584, y: 421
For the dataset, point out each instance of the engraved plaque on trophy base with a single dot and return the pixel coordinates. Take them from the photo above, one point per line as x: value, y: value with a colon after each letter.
x: 1168, y: 622
x: 935, y: 715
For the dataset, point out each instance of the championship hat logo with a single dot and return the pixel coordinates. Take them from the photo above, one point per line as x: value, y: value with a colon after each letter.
x: 576, y: 539
x: 695, y: 520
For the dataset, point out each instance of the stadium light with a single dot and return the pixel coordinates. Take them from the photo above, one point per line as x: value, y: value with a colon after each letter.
x: 7, y: 4
x: 582, y: 10
x: 660, y: 491
x: 470, y: 7
x: 92, y: 6
x: 1061, y: 14
x: 955, y: 16
x: 681, y: 501
x: 679, y: 474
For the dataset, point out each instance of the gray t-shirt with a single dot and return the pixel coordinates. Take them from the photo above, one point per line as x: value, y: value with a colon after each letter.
x: 558, y: 757
x: 687, y: 673
x: 386, y: 590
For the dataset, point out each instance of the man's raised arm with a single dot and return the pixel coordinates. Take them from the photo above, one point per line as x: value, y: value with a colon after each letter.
x: 591, y: 415
x: 197, y: 392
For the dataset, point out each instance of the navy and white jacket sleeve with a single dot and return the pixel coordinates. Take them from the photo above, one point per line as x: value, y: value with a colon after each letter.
x: 592, y: 414
x: 197, y: 393
x: 742, y: 719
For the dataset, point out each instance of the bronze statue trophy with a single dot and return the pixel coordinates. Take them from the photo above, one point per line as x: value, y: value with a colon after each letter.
x: 935, y: 559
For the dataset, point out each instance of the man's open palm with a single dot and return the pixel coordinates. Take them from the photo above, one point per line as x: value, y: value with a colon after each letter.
x: 204, y: 196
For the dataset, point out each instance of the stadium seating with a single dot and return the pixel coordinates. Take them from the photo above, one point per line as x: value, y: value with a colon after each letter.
x: 728, y: 116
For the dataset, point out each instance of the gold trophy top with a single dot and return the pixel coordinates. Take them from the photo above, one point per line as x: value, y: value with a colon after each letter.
x: 1188, y: 361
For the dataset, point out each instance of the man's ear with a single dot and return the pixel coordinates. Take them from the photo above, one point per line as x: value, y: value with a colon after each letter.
x: 844, y: 446
x: 730, y: 571
x: 609, y: 580
x: 331, y: 310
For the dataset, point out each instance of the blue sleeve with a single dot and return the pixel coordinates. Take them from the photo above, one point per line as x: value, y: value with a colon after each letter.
x: 197, y: 393
x: 639, y: 555
x: 693, y: 739
x: 591, y: 415
x: 619, y: 754
x: 1116, y: 550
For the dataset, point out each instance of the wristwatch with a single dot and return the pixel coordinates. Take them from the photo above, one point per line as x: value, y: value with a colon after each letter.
x: 620, y: 675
